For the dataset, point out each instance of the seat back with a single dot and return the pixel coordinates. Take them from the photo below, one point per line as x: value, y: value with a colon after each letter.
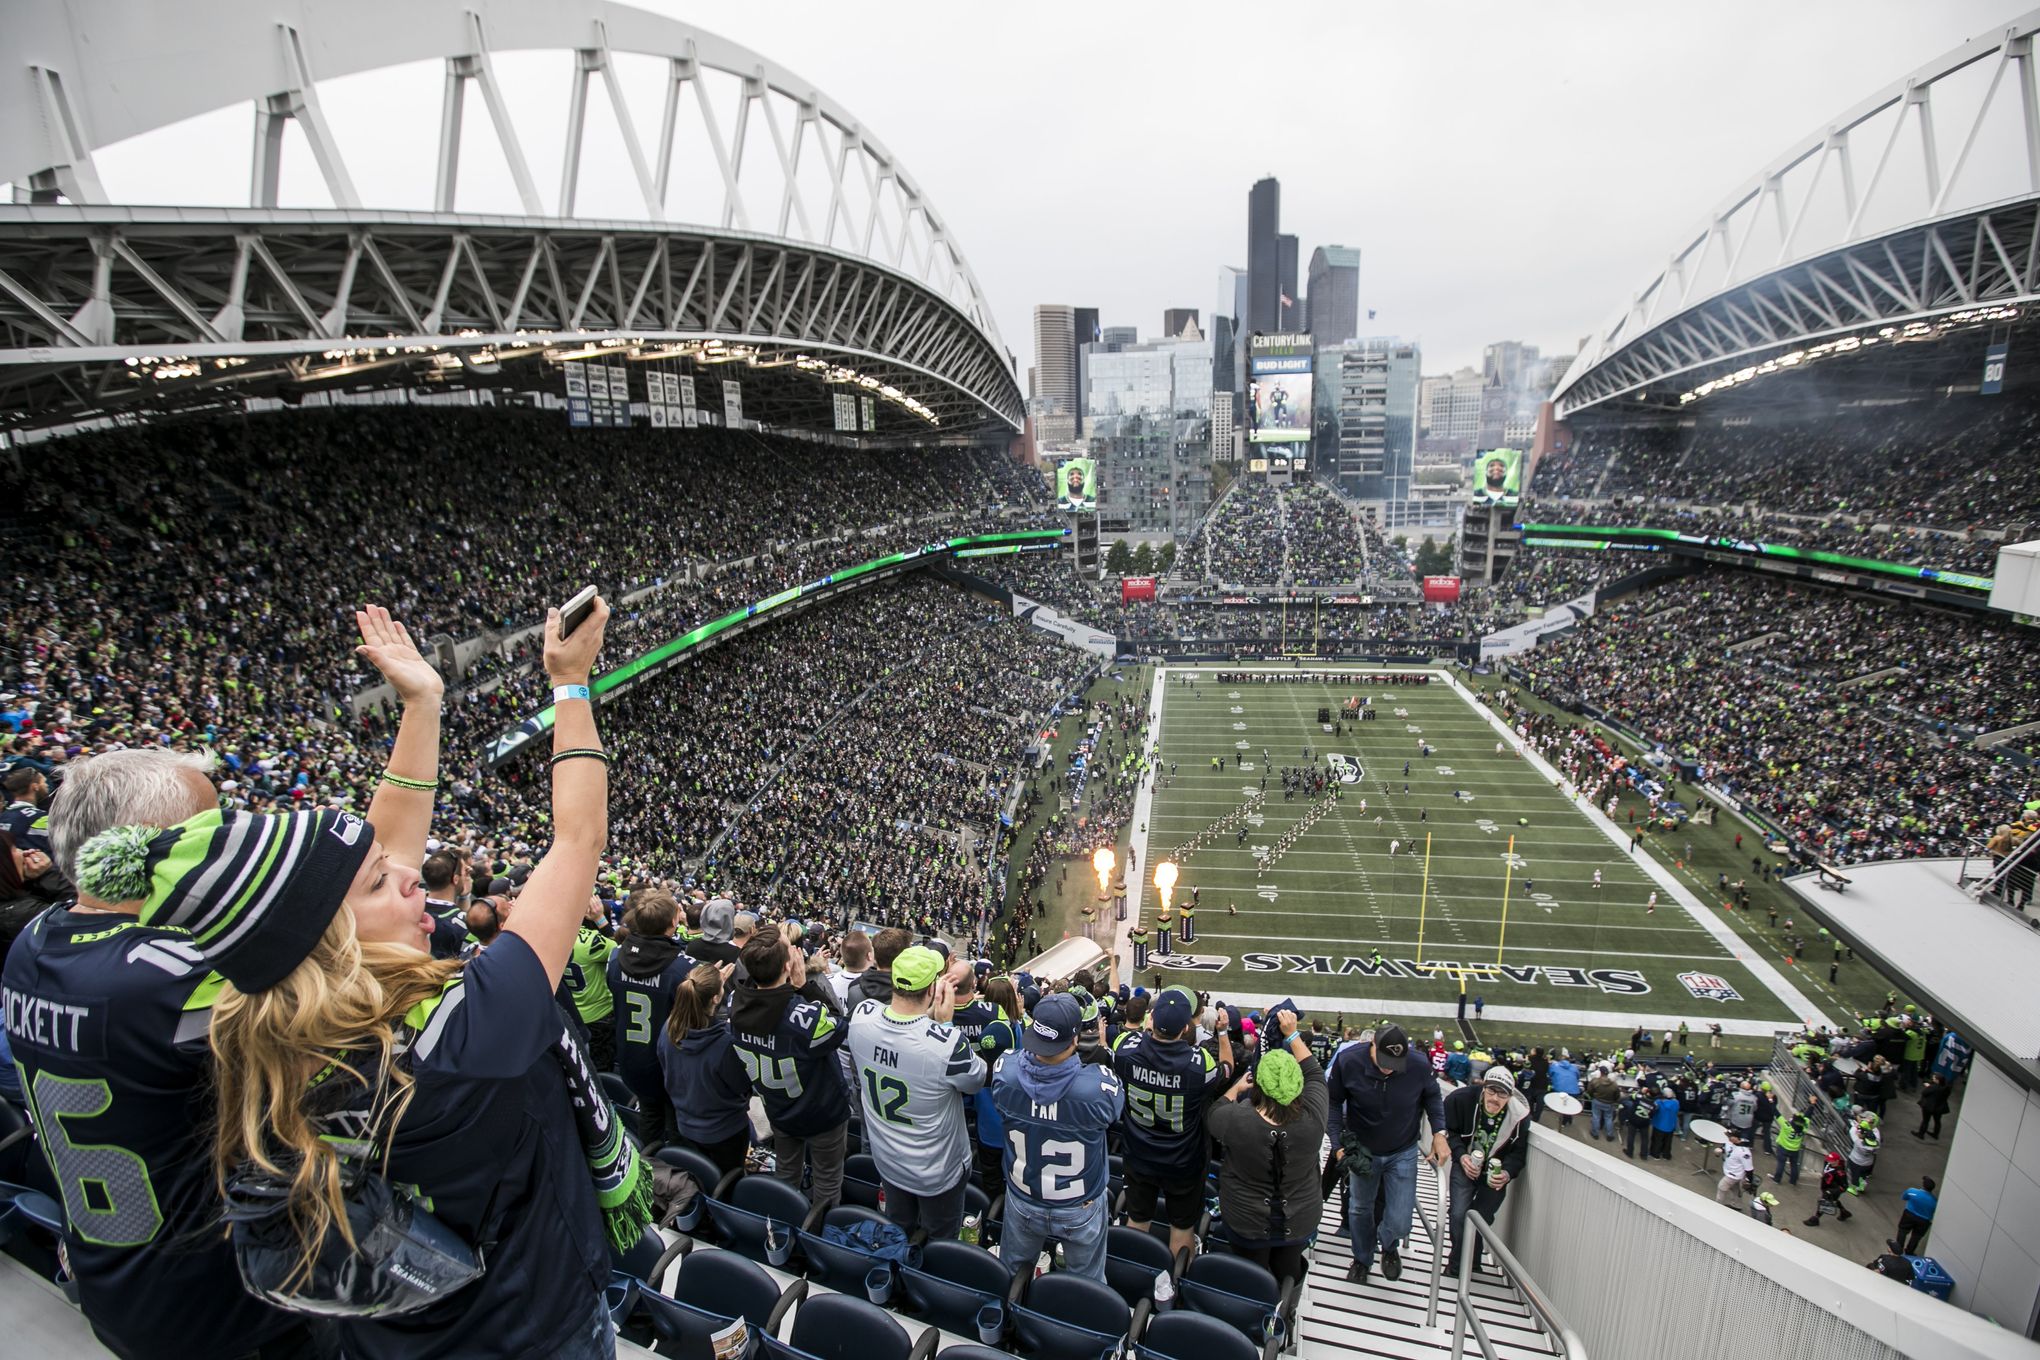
x: 726, y: 1285
x: 839, y: 1327
x: 860, y: 1181
x: 1068, y: 1317
x: 1236, y: 1291
x: 760, y: 1217
x: 951, y: 1282
x: 1132, y: 1260
x: 835, y: 1264
x: 706, y: 1174
x: 1192, y: 1336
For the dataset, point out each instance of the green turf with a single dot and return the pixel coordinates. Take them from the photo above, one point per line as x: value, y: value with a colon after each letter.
x: 1307, y: 924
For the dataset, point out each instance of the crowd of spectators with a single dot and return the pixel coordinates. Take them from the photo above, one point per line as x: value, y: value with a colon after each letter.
x: 1243, y: 541
x: 1850, y: 771
x: 1324, y: 544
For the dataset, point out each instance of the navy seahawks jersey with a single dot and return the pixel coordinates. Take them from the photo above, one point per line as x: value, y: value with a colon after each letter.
x: 643, y: 1003
x: 28, y: 826
x: 1056, y: 1117
x: 970, y: 1021
x: 1167, y: 1087
x: 792, y: 1059
x: 108, y: 1019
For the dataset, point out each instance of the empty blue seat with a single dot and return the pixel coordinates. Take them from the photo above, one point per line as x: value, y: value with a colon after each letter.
x: 860, y: 1181
x: 1069, y: 1317
x: 758, y: 1216
x: 841, y: 1327
x: 713, y: 1289
x: 1195, y: 1336
x: 1132, y: 1260
x: 951, y: 1282
x: 1239, y: 1293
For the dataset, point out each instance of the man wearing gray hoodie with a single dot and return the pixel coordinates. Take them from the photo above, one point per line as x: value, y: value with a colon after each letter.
x: 1487, y: 1126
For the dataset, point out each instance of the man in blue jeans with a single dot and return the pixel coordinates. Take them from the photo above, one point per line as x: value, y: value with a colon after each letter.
x: 1380, y: 1093
x: 1056, y: 1111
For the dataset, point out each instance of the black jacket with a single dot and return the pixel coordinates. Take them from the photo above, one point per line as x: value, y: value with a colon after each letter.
x: 1269, y: 1191
x: 1512, y: 1146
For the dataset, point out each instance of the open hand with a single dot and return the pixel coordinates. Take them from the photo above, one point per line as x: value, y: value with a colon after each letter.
x: 386, y: 645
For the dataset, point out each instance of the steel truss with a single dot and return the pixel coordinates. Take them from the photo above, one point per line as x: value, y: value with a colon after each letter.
x: 1810, y: 248
x: 83, y: 290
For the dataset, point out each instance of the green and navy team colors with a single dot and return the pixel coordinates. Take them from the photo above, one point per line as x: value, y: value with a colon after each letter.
x: 914, y: 1074
x: 1168, y: 1083
x: 787, y: 1041
x: 587, y: 976
x: 108, y: 1019
x: 28, y: 826
x: 1056, y: 1116
x: 644, y: 972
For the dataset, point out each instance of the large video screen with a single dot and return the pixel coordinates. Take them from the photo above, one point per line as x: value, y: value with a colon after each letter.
x: 1498, y: 477
x: 1076, y: 485
x: 1278, y: 399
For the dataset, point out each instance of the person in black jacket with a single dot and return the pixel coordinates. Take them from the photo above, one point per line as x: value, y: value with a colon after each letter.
x: 1379, y: 1093
x: 787, y: 1031
x: 1488, y: 1128
x: 1268, y: 1184
x: 644, y: 972
x: 1933, y: 1105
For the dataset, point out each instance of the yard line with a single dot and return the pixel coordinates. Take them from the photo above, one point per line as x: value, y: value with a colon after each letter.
x: 1319, y: 944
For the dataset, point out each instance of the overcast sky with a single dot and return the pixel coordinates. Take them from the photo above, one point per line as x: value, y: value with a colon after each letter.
x: 1507, y: 169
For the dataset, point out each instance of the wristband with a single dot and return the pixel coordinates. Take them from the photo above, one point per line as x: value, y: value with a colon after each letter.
x: 562, y: 693
x: 580, y: 753
x: 421, y: 785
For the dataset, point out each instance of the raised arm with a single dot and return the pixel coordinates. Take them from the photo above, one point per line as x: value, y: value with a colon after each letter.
x: 549, y: 910
x: 401, y: 808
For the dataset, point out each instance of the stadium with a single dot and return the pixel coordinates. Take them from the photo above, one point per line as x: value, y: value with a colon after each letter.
x: 682, y: 607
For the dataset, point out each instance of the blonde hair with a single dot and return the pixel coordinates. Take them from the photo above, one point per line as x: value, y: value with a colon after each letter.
x: 694, y: 1001
x: 268, y: 1047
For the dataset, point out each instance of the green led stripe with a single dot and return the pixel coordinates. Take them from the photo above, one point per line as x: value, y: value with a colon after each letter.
x: 1931, y: 575
x: 966, y: 546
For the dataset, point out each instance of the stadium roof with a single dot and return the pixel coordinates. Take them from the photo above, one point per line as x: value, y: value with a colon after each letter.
x: 1969, y: 963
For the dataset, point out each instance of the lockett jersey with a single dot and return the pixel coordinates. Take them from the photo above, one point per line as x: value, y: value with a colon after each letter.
x: 1056, y: 1119
x: 586, y: 979
x: 108, y: 1019
x: 912, y: 1075
x: 1167, y: 1087
x: 792, y: 1062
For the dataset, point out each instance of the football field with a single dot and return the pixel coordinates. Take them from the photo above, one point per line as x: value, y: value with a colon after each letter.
x: 1302, y: 903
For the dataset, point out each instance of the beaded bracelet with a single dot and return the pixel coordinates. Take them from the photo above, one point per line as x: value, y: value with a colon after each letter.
x: 579, y: 752
x: 421, y: 785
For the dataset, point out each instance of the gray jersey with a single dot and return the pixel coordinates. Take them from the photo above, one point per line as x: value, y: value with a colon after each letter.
x: 912, y: 1076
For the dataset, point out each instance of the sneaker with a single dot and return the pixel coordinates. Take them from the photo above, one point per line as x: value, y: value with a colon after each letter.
x: 1813, y: 1222
x: 1391, y: 1265
x: 1358, y: 1272
x: 1892, y: 1242
x: 1855, y: 1189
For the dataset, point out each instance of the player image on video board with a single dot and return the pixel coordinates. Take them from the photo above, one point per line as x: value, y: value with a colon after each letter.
x: 1076, y: 485
x: 1498, y: 477
x: 1278, y: 399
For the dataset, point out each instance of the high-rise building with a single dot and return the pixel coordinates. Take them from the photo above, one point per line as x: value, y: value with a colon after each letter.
x: 1084, y: 333
x: 1149, y: 425
x: 1366, y: 417
x: 1264, y: 224
x: 1334, y: 295
x: 1289, y: 302
x: 1450, y: 411
x: 1119, y: 337
x: 1056, y: 393
x: 1176, y: 320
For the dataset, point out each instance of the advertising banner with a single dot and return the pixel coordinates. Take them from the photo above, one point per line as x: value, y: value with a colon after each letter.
x: 1133, y: 588
x: 1441, y: 589
x: 732, y: 404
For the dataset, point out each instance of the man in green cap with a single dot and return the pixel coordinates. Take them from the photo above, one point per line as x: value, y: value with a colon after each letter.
x: 913, y: 1070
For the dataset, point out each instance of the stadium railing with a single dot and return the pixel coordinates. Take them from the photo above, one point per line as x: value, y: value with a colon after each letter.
x: 1564, y: 1337
x: 1639, y: 1265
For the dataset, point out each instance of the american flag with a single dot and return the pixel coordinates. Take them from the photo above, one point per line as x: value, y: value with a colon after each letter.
x: 1287, y: 300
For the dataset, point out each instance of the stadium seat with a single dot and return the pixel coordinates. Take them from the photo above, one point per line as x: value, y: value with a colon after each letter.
x: 1067, y: 1317
x: 623, y: 1100
x: 758, y: 1215
x: 971, y: 1352
x: 976, y: 1203
x: 1194, y: 1336
x: 1132, y: 1261
x: 841, y: 1327
x: 834, y: 1265
x: 1239, y: 1293
x: 641, y: 1262
x: 712, y: 1289
x: 705, y: 1173
x: 950, y: 1282
x: 860, y: 1181
x: 621, y: 1296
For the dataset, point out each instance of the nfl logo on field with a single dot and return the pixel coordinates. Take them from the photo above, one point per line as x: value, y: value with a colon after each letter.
x: 1708, y: 987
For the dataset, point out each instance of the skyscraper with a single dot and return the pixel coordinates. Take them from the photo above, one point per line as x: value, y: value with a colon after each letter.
x: 1288, y: 302
x: 1334, y: 295
x: 1174, y: 319
x: 1264, y: 222
x: 1056, y: 393
x: 1086, y: 331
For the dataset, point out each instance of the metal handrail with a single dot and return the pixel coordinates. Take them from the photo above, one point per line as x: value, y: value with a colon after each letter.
x: 1569, y: 1344
x: 1437, y: 1228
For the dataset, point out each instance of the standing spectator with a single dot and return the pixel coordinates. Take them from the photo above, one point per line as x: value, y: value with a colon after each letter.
x: 1916, y: 1219
x: 1790, y: 1140
x: 1639, y: 1108
x: 1169, y: 1084
x: 586, y: 984
x: 1736, y: 1164
x: 1381, y: 1093
x: 1000, y: 1036
x: 1740, y: 1113
x: 718, y: 923
x: 1268, y: 1183
x: 1664, y: 1122
x: 1605, y: 1093
x: 853, y: 957
x: 787, y: 1033
x: 705, y: 1079
x: 1484, y: 1126
x: 913, y: 1066
x: 643, y: 973
x: 1834, y: 1182
x: 169, y: 1277
x: 1863, y: 1143
x: 1933, y: 1105
x: 1565, y: 1077
x: 26, y: 819
x: 1057, y: 1111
